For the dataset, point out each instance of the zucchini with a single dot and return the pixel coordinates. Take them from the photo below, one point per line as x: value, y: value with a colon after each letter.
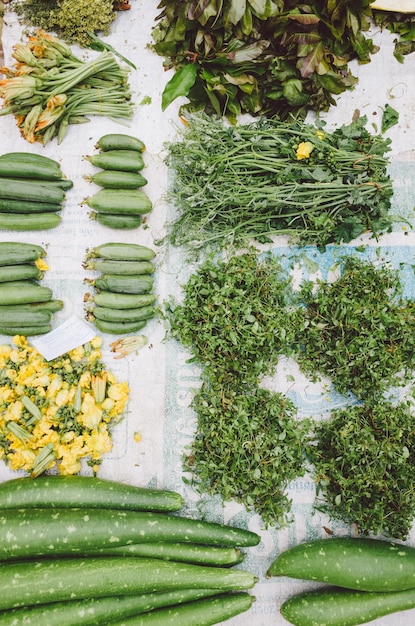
x: 14, y: 168
x: 120, y: 222
x: 119, y: 328
x: 178, y: 552
x: 30, y: 157
x: 38, y: 532
x: 11, y: 317
x: 28, y: 206
x: 117, y: 179
x: 28, y: 221
x: 205, y: 612
x: 123, y: 315
x: 124, y: 284
x: 13, y: 252
x: 25, y: 330
x: 52, y: 306
x: 24, y: 292
x: 119, y: 141
x: 125, y: 268
x: 26, y: 583
x: 119, y: 301
x: 84, y: 491
x: 122, y: 252
x: 119, y: 202
x: 21, y: 271
x: 361, y: 564
x: 344, y: 607
x: 97, y: 611
x: 124, y: 160
x: 12, y: 189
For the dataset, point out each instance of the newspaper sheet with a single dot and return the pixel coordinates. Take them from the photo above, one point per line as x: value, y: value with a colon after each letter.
x: 159, y: 375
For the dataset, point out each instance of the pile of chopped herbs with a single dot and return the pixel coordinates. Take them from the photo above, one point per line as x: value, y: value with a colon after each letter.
x: 235, y: 319
x: 364, y: 464
x: 358, y: 330
x: 230, y: 184
x: 71, y: 20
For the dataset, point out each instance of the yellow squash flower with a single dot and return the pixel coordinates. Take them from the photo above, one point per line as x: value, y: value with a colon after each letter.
x: 304, y: 150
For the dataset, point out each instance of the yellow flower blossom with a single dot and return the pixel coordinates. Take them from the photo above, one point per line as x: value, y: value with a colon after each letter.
x: 320, y: 134
x: 91, y: 413
x: 41, y: 265
x: 304, y: 150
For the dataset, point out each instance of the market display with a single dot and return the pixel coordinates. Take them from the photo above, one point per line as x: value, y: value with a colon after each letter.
x: 207, y: 313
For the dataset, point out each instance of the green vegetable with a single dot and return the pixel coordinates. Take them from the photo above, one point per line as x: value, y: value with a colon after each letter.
x: 121, y: 252
x: 54, y: 580
x: 25, y: 330
x: 22, y: 271
x: 28, y: 169
x: 31, y: 190
x: 343, y: 607
x: 23, y: 292
x: 83, y: 491
x: 96, y: 611
x: 16, y: 207
x: 361, y: 564
x: 119, y: 301
x: 15, y: 317
x: 116, y: 221
x: 122, y: 315
x: 27, y: 221
x: 119, y: 328
x: 197, y: 613
x: 15, y: 252
x: 119, y: 141
x: 122, y: 160
x: 117, y: 179
x: 252, y: 181
x: 116, y: 266
x: 124, y: 284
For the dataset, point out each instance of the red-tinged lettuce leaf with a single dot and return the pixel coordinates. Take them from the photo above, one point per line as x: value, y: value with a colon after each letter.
x: 179, y: 85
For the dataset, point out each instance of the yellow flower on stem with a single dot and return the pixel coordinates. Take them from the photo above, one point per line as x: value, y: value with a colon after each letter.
x: 18, y: 87
x: 91, y: 414
x: 304, y: 150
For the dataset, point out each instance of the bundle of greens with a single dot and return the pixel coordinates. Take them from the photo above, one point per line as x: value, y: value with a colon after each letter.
x: 358, y: 330
x: 270, y: 177
x: 50, y: 88
x: 363, y: 462
x: 273, y: 58
x: 72, y: 20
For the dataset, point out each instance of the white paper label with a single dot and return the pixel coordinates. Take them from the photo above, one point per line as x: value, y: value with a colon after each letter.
x: 72, y: 333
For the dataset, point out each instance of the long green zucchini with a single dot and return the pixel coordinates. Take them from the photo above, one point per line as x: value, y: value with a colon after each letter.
x: 34, y: 532
x: 98, y: 611
x: 53, y: 580
x: 204, y: 612
x: 361, y: 564
x: 178, y: 552
x: 13, y: 252
x: 84, y: 491
x: 344, y: 607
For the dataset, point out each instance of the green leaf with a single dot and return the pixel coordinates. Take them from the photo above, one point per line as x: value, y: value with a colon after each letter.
x: 390, y: 117
x: 179, y: 85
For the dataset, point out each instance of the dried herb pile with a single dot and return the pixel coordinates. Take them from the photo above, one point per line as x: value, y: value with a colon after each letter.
x: 268, y: 177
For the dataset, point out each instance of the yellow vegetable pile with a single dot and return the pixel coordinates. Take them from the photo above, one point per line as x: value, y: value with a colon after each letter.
x: 55, y: 413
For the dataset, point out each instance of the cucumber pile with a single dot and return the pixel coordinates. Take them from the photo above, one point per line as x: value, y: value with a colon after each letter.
x: 52, y: 577
x: 123, y: 300
x: 121, y: 202
x: 26, y: 306
x: 32, y: 191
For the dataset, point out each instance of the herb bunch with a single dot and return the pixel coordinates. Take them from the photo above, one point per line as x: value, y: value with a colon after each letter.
x: 363, y: 460
x: 235, y: 319
x: 358, y: 330
x: 273, y: 58
x: 230, y: 184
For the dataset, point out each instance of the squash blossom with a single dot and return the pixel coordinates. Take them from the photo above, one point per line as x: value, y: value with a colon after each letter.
x: 304, y: 150
x: 55, y: 414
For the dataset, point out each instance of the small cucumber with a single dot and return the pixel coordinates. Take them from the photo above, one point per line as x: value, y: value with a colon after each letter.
x: 38, y: 191
x: 120, y: 301
x: 29, y: 221
x: 84, y: 491
x: 124, y: 160
x: 125, y: 268
x: 124, y: 284
x: 13, y: 168
x: 28, y: 206
x: 21, y: 271
x: 53, y: 580
x: 116, y: 179
x: 123, y: 315
x: 14, y: 252
x: 205, y: 612
x: 344, y: 607
x: 119, y: 222
x: 361, y: 564
x: 119, y: 328
x: 52, y: 306
x: 119, y: 141
x: 122, y: 251
x: 11, y: 317
x: 120, y: 202
x: 23, y: 292
x: 30, y: 157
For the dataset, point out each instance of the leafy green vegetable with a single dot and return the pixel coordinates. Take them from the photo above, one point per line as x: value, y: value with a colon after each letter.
x: 179, y: 85
x: 401, y: 24
x: 358, y: 330
x: 230, y: 184
x: 390, y: 117
x: 274, y: 58
x: 363, y: 460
